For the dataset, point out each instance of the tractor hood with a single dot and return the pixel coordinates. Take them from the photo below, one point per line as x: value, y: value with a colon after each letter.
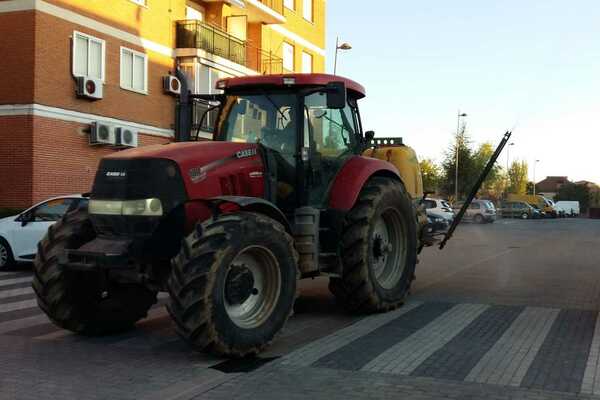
x: 207, y: 169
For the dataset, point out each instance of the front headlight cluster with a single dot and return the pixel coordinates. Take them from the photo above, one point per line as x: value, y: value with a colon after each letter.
x: 142, y: 207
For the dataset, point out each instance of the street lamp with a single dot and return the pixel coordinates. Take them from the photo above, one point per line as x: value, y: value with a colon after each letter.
x: 507, y: 163
x: 534, y: 164
x: 459, y: 115
x: 343, y: 46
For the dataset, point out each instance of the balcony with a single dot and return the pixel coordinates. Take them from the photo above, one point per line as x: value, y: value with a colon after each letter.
x: 200, y: 35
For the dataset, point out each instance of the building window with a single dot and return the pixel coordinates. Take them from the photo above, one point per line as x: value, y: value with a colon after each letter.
x: 289, y: 4
x: 88, y: 56
x: 288, y: 56
x: 307, y: 10
x: 307, y: 63
x: 195, y: 13
x: 134, y: 70
x: 140, y: 2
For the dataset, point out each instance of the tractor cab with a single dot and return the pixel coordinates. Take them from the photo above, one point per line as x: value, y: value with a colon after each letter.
x: 305, y: 128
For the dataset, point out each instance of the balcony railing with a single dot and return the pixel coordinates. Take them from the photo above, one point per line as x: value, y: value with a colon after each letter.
x: 199, y: 35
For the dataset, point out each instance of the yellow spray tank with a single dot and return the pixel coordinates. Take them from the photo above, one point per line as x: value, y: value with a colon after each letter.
x: 403, y: 158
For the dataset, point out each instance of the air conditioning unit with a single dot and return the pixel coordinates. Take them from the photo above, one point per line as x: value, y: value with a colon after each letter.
x: 101, y: 133
x: 89, y: 88
x: 171, y: 84
x: 126, y: 137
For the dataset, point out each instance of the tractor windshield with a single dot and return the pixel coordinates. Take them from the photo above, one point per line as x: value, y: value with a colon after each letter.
x: 268, y: 119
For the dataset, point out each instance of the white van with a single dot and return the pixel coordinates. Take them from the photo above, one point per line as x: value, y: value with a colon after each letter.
x: 571, y: 208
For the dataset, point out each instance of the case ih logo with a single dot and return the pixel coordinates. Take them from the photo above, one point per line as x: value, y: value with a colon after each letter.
x: 246, y: 153
x: 116, y: 174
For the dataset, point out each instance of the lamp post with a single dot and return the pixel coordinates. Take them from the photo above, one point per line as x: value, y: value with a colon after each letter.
x: 343, y: 46
x: 534, y: 164
x: 459, y: 115
x: 507, y: 163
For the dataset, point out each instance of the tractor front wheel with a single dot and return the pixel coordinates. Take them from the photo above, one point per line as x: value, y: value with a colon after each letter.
x: 379, y: 249
x: 83, y: 302
x: 233, y: 285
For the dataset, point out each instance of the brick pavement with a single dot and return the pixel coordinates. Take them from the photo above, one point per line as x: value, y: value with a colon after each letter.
x: 496, y: 317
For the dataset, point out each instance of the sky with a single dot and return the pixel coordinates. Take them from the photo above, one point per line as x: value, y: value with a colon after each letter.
x: 532, y: 66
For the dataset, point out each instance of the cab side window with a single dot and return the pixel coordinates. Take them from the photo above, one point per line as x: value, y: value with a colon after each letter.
x: 333, y: 130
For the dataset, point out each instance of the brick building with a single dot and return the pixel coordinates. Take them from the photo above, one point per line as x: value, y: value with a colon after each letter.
x: 126, y: 47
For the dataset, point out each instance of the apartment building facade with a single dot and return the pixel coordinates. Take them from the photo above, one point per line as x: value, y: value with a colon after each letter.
x: 53, y: 50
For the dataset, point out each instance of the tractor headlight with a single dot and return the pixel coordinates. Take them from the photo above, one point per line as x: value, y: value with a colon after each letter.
x: 143, y: 207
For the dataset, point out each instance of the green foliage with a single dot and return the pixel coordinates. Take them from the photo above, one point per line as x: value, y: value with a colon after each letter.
x: 432, y: 175
x: 466, y: 166
x: 517, y: 175
x: 573, y: 192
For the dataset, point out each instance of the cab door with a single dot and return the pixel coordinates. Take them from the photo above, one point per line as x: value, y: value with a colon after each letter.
x: 331, y: 137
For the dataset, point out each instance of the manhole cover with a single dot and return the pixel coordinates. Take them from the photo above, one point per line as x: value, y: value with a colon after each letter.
x: 242, y: 365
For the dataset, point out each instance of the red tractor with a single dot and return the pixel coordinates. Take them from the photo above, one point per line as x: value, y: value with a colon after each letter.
x: 290, y: 187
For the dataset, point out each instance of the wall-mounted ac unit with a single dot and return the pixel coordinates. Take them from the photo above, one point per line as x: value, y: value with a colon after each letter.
x: 101, y: 133
x: 171, y: 84
x: 89, y: 88
x: 125, y: 137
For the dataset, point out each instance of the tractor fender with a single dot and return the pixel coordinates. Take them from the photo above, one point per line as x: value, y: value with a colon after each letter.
x: 350, y: 180
x: 257, y: 205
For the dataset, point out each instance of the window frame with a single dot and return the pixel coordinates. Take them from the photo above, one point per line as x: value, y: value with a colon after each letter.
x: 74, y: 47
x: 312, y: 62
x: 293, y: 7
x: 312, y: 10
x: 283, y: 53
x: 134, y: 53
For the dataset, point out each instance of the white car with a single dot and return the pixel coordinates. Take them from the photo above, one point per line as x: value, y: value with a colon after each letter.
x: 20, y: 234
x: 439, y: 207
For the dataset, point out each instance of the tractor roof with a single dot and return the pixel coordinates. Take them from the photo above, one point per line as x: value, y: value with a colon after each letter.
x: 286, y: 80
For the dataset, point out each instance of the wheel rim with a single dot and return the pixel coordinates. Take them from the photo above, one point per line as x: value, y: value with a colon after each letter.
x: 252, y: 287
x: 3, y: 255
x: 524, y: 216
x: 388, y: 248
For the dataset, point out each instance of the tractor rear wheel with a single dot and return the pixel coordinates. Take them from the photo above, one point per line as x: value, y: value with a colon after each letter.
x: 233, y: 285
x: 379, y: 249
x: 80, y: 301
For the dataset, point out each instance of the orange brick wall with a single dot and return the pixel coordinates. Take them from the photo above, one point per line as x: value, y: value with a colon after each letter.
x: 55, y: 86
x: 17, y: 46
x: 15, y: 161
x: 63, y: 160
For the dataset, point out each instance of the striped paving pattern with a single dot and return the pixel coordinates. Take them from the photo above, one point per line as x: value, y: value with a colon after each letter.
x: 21, y: 316
x: 528, y: 347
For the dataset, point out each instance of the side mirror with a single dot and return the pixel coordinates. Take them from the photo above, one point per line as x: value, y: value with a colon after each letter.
x: 24, y: 218
x: 336, y: 95
x: 369, y: 136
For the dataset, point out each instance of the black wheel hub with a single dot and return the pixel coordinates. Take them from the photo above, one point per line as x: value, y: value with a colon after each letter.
x: 377, y: 247
x: 239, y: 285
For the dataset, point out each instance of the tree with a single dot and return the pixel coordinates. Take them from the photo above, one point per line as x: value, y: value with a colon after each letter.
x: 466, y: 165
x: 517, y: 175
x: 495, y: 182
x: 432, y: 175
x: 529, y: 187
x: 574, y: 192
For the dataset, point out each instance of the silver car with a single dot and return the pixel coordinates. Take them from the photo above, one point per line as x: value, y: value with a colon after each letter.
x: 479, y: 211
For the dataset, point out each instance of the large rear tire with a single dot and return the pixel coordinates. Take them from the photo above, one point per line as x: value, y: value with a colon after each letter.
x: 379, y: 249
x: 78, y: 301
x: 233, y: 285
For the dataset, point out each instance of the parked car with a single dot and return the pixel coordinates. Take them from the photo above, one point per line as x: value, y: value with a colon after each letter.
x: 439, y: 207
x: 20, y: 234
x: 519, y: 209
x: 571, y: 208
x: 438, y: 221
x: 479, y: 211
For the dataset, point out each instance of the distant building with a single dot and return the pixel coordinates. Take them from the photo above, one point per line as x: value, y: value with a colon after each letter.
x: 549, y: 186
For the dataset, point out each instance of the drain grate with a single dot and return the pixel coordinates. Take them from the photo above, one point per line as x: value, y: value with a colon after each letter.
x: 242, y: 364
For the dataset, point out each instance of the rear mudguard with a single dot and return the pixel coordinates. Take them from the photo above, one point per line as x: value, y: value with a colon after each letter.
x: 350, y: 180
